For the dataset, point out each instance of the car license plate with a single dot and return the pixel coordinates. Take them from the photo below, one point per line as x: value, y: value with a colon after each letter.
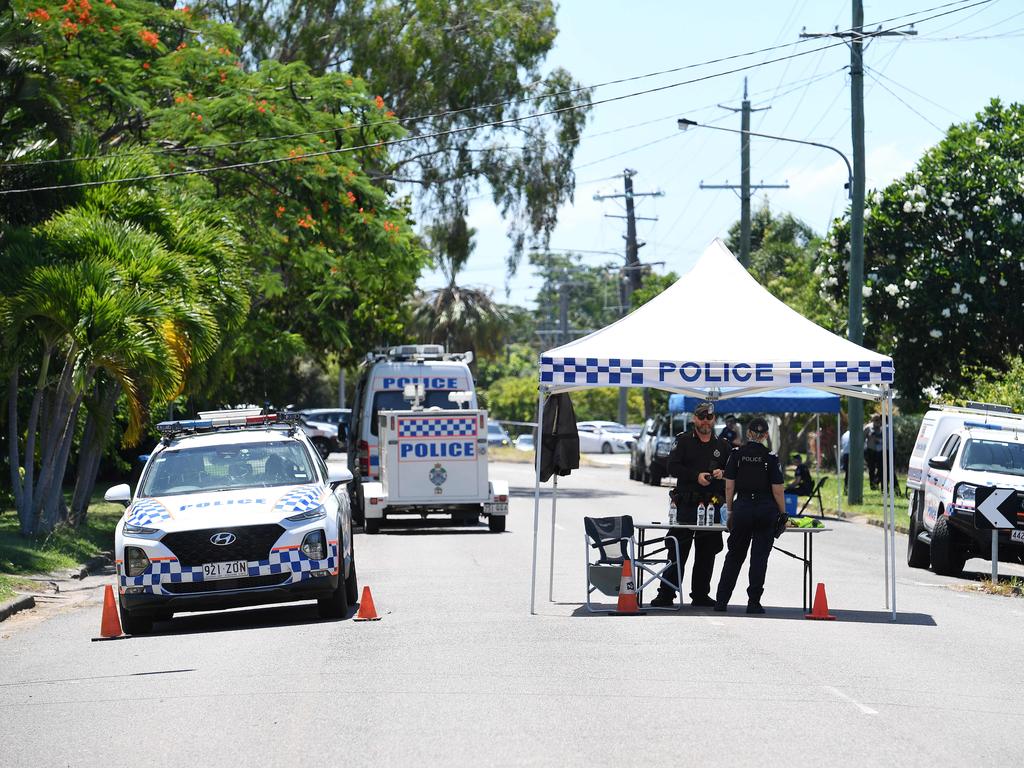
x: 498, y: 508
x: 229, y: 570
x: 1017, y: 536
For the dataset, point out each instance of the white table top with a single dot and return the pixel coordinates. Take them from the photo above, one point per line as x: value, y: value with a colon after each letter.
x: 719, y: 528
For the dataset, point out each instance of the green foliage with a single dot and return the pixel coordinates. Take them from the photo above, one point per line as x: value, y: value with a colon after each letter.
x: 943, y: 249
x: 603, y: 403
x: 64, y: 548
x: 594, y: 299
x: 1005, y: 387
x: 428, y: 56
x: 652, y: 285
x: 513, y: 398
x: 517, y: 361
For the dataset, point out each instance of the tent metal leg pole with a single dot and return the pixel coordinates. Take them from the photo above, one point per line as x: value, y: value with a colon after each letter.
x: 551, y: 570
x: 839, y: 460
x: 892, y: 496
x: 536, y: 501
x: 885, y: 492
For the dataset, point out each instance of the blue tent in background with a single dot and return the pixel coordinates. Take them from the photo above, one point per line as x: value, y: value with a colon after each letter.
x: 789, y: 400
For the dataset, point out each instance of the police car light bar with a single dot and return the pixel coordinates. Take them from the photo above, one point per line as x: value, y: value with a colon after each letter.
x: 168, y: 428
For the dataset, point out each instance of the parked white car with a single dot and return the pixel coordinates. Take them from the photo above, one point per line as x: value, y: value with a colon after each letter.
x: 524, y: 442
x: 604, y: 437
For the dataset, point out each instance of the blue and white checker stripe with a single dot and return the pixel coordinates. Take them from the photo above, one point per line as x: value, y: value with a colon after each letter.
x: 284, y: 560
x: 840, y: 372
x: 299, y: 500
x: 453, y: 426
x: 146, y: 512
x: 590, y: 370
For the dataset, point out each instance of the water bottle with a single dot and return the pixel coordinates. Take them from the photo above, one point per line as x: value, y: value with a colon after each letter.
x: 725, y: 514
x: 701, y: 515
x: 672, y: 514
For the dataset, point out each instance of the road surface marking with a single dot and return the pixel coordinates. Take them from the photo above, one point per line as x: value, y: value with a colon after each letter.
x: 839, y: 694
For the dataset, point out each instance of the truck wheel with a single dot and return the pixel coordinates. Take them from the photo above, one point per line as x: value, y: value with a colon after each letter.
x: 917, y: 551
x: 606, y: 447
x: 372, y: 525
x: 132, y: 624
x: 358, y: 504
x: 352, y: 582
x: 947, y: 559
x: 655, y: 475
x: 496, y: 523
x: 335, y: 606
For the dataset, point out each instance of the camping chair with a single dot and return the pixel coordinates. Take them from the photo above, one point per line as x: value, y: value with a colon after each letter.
x: 604, y: 574
x: 816, y: 494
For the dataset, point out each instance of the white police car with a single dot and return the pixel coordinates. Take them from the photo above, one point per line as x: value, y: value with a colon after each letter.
x: 233, y: 509
x: 942, y: 530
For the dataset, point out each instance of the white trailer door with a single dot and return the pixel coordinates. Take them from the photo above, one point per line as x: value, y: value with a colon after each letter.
x: 439, y: 457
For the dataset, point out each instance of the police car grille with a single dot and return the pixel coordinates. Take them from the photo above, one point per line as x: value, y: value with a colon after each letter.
x: 221, y: 585
x: 252, y: 542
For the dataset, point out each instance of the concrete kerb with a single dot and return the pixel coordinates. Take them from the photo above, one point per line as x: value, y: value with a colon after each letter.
x: 24, y: 602
x: 11, y: 607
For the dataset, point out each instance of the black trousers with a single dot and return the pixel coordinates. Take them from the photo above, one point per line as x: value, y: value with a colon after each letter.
x: 753, y: 527
x: 706, y: 545
x: 874, y: 461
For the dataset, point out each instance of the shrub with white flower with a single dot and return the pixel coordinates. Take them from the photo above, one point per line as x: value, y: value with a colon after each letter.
x: 935, y: 333
x: 961, y: 308
x: 892, y: 289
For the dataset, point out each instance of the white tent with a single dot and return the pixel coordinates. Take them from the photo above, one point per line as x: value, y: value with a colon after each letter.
x: 683, y: 341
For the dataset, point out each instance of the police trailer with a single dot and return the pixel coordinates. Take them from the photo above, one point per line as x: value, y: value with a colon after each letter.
x: 434, y: 461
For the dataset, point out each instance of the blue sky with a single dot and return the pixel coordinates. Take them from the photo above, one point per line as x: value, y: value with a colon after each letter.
x: 915, y: 87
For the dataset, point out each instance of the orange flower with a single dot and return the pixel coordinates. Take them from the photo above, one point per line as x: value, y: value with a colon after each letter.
x: 69, y: 28
x: 181, y: 46
x: 280, y: 210
x: 116, y: 27
x: 223, y: 75
x: 389, y: 114
x: 380, y: 102
x: 110, y: 3
x: 145, y: 65
x: 149, y: 38
x: 39, y: 14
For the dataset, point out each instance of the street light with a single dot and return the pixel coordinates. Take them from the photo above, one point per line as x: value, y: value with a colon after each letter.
x: 685, y: 123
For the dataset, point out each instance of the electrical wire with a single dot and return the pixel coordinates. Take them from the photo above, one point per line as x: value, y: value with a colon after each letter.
x: 896, y: 96
x: 516, y: 102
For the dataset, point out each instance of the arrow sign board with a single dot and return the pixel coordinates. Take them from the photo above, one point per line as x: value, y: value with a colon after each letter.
x: 995, y: 508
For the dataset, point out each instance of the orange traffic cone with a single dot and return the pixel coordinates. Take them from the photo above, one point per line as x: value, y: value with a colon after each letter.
x: 820, y: 608
x: 628, y: 602
x: 367, y: 611
x: 110, y: 624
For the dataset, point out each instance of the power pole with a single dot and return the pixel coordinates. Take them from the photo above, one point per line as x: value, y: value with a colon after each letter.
x: 633, y: 278
x: 563, y: 313
x: 745, y: 186
x: 855, y: 332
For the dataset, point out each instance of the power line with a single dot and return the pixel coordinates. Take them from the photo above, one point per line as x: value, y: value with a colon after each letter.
x: 530, y: 99
x: 896, y: 96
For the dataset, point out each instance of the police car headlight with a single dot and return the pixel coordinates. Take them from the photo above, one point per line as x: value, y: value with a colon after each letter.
x: 135, y: 561
x: 965, y: 494
x: 310, y: 514
x: 138, y: 530
x: 315, y: 545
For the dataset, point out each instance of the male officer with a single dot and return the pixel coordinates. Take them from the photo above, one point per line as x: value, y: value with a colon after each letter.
x: 753, y: 494
x: 697, y: 461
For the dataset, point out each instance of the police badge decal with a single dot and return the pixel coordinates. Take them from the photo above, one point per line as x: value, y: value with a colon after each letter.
x: 438, y: 475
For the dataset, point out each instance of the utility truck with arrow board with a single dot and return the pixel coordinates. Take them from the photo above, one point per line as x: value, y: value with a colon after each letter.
x: 971, y: 484
x: 423, y: 442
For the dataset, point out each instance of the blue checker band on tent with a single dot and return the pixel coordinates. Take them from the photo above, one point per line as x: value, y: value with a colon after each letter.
x: 840, y: 372
x: 591, y: 370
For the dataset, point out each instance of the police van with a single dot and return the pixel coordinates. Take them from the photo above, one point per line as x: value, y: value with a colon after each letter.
x: 383, y: 376
x: 957, y: 450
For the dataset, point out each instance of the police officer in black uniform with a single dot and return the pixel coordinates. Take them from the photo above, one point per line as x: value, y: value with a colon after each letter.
x: 753, y: 493
x: 697, y: 461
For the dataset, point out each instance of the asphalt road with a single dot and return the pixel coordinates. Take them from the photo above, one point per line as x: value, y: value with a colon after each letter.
x: 458, y: 672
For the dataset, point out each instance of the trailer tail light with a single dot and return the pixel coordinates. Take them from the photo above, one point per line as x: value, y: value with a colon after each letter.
x: 483, y: 426
x: 501, y: 498
x: 374, y: 501
x: 363, y: 454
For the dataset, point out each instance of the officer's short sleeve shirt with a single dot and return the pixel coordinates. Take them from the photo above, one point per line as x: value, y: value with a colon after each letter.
x: 774, y: 468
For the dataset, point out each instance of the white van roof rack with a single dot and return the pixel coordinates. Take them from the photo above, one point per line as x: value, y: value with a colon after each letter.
x: 417, y: 353
x: 973, y: 408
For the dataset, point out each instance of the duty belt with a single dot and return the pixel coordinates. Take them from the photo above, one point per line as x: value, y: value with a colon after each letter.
x: 753, y: 496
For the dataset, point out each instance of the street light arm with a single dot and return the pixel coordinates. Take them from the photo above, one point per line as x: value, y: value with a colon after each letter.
x: 684, y: 123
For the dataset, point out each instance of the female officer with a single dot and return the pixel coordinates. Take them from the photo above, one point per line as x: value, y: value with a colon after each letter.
x: 753, y: 494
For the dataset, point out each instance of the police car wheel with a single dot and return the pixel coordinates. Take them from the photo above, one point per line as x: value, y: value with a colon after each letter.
x: 496, y: 523
x: 352, y: 582
x: 606, y: 448
x: 947, y: 558
x: 132, y: 624
x: 918, y: 555
x: 335, y: 606
x: 372, y: 525
x: 358, y: 510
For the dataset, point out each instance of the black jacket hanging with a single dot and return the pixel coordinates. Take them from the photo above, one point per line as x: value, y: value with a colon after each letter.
x: 559, y: 442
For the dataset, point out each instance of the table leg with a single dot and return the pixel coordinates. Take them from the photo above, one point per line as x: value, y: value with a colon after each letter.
x: 639, y: 579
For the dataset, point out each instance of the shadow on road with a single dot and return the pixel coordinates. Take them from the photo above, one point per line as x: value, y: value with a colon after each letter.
x: 786, y: 614
x: 432, y: 526
x: 292, y: 614
x: 521, y: 492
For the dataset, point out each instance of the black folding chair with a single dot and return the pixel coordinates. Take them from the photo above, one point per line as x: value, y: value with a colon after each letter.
x: 612, y: 537
x: 816, y: 494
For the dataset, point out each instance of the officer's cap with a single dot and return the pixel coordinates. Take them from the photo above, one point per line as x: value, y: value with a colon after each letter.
x: 704, y: 409
x: 758, y: 426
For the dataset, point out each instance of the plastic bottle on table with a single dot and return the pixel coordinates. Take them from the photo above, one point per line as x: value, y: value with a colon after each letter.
x: 672, y: 513
x: 725, y: 514
x: 701, y: 515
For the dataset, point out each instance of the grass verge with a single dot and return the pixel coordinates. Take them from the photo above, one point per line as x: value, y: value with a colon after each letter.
x: 871, y: 505
x: 1012, y: 587
x: 65, y: 548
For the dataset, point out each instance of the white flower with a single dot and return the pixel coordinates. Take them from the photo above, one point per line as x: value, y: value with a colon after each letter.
x: 976, y: 208
x: 956, y: 289
x: 913, y: 284
x: 947, y: 200
x: 969, y: 234
x: 866, y: 290
x: 967, y: 297
x: 962, y: 309
x: 920, y: 207
x: 995, y: 200
x: 935, y: 334
x: 946, y: 312
x: 982, y: 279
x: 819, y: 269
x: 907, y: 206
x: 892, y: 290
x: 878, y: 197
x: 981, y: 142
x: 1017, y: 217
x: 867, y: 214
x: 1002, y: 282
x: 901, y: 303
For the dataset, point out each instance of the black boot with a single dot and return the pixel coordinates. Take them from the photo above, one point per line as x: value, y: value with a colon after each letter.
x: 664, y: 599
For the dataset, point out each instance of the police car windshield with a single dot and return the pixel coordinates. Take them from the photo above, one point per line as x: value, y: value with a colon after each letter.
x: 387, y: 400
x: 994, y: 456
x: 224, y: 467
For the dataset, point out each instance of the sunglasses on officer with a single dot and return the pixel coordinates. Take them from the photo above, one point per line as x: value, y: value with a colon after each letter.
x: 704, y: 416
